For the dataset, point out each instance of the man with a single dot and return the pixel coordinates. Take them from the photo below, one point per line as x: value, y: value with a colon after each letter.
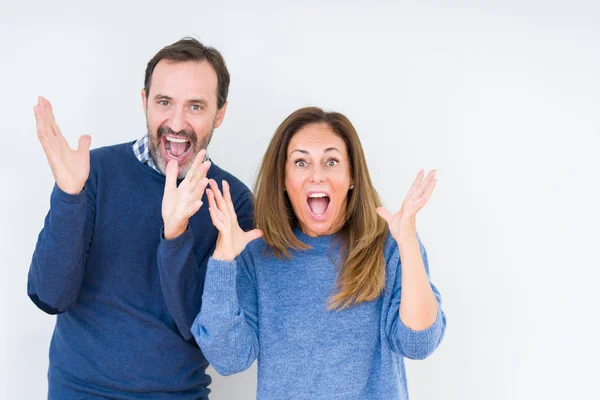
x: 123, y: 315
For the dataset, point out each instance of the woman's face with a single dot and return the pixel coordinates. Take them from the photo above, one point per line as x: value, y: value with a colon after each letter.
x: 317, y: 179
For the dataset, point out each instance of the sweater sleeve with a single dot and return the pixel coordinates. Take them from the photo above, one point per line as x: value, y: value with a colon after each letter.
x: 58, y: 262
x: 182, y: 274
x: 403, y: 340
x: 227, y: 327
x: 181, y: 280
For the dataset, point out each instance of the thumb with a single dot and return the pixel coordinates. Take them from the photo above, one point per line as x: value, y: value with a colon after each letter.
x: 384, y: 213
x: 84, y: 143
x: 253, y: 235
x: 171, y: 173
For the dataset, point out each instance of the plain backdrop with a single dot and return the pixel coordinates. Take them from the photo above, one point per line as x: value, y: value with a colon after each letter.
x: 503, y: 98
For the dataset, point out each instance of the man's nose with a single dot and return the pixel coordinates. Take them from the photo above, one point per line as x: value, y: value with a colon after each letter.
x: 177, y: 120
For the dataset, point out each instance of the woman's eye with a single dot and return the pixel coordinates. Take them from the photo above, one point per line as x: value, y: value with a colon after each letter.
x: 332, y: 163
x: 300, y: 163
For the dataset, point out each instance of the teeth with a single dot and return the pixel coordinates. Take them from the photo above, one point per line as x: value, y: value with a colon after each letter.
x: 318, y: 195
x: 176, y: 140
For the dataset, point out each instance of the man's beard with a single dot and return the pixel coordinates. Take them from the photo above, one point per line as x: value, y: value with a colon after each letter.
x: 154, y: 147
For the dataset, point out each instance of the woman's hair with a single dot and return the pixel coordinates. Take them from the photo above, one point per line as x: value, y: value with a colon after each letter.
x: 361, y: 275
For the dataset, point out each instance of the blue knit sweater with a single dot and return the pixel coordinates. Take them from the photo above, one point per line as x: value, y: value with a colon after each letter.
x: 276, y: 310
x: 125, y: 297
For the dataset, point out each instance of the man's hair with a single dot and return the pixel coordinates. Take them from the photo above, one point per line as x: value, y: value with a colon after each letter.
x: 190, y: 49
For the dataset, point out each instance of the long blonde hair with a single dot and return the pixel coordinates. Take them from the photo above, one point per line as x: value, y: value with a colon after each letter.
x: 361, y: 276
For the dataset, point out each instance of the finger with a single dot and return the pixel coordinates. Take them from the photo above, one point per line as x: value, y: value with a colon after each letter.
x: 201, y: 186
x: 213, y: 204
x: 198, y: 161
x: 215, y: 213
x: 227, y: 195
x: 52, y: 121
x: 84, y: 144
x: 200, y: 174
x: 418, y: 206
x: 45, y: 136
x: 253, y: 235
x: 198, y: 190
x: 193, y: 207
x: 429, y: 189
x: 211, y: 199
x: 192, y: 175
x: 432, y: 185
x: 201, y: 155
x: 204, y: 167
x: 56, y: 138
x: 431, y: 175
x: 49, y: 117
x: 39, y: 122
x: 218, y: 197
x: 426, y: 183
x: 171, y: 174
x: 43, y: 114
x: 416, y: 183
x: 212, y: 210
x: 420, y: 203
x: 384, y: 213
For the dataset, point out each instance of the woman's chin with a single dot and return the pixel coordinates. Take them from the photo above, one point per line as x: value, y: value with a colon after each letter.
x: 317, y: 228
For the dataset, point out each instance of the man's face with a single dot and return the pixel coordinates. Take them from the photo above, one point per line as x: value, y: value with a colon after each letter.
x: 181, y: 112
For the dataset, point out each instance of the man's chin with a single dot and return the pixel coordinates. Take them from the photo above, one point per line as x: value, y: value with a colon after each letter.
x: 183, y: 172
x: 161, y: 165
x: 183, y: 165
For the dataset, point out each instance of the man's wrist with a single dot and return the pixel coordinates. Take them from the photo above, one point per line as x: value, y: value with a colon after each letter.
x: 172, y: 232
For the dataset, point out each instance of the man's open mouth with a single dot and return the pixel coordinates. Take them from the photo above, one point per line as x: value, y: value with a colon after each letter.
x: 176, y: 147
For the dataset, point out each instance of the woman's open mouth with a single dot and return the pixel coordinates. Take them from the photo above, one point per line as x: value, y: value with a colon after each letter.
x: 318, y: 204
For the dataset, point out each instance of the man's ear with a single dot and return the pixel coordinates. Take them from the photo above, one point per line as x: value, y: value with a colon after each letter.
x: 144, y: 100
x: 220, y: 115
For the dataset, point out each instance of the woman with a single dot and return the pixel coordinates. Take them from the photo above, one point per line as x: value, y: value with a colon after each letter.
x: 321, y: 298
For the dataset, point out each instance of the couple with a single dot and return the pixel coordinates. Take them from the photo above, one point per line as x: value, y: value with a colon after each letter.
x: 331, y: 291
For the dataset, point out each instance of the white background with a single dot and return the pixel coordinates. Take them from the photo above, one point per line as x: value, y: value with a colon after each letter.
x: 502, y: 97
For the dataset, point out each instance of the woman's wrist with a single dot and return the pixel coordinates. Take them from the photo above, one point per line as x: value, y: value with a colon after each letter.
x: 223, y: 255
x: 406, y: 235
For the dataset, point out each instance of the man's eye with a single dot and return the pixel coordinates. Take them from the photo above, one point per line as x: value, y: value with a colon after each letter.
x: 163, y: 102
x: 300, y: 163
x: 196, y: 107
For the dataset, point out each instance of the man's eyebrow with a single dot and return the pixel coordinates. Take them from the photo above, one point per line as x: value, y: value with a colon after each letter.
x: 197, y: 100
x: 190, y: 101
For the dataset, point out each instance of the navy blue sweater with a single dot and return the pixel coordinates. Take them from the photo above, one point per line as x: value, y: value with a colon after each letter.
x: 124, y: 315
